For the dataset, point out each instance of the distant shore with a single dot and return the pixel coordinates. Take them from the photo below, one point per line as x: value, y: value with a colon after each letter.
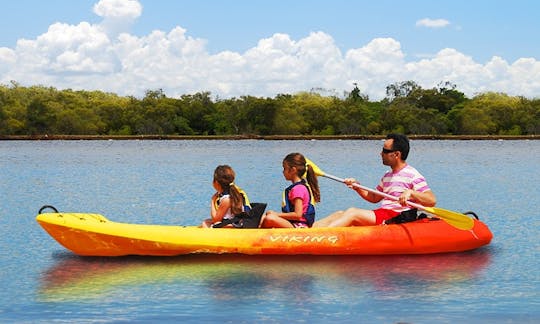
x: 257, y: 137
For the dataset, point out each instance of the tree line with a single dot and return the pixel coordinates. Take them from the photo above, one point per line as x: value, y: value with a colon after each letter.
x: 407, y: 108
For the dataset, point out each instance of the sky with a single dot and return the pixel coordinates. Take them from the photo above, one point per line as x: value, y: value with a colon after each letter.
x: 233, y: 48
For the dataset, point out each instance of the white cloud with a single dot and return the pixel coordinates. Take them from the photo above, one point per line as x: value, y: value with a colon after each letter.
x: 124, y: 9
x: 432, y: 23
x: 118, y: 15
x: 375, y: 66
x: 8, y: 57
x: 87, y: 56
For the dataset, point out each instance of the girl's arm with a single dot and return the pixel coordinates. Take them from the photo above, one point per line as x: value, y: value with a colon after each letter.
x: 218, y: 213
x: 298, y: 209
x: 213, y: 208
x: 296, y: 215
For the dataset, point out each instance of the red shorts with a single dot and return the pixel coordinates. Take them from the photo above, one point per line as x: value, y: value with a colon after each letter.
x: 382, y: 214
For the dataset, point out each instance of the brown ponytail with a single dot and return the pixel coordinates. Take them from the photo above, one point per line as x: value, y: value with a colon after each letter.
x: 299, y: 161
x: 237, y: 200
x: 224, y: 175
x: 313, y: 183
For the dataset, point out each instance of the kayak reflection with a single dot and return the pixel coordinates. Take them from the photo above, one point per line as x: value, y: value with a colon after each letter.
x: 74, y: 278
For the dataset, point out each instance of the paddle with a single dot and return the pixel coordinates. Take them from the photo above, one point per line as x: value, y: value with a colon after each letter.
x: 453, y: 218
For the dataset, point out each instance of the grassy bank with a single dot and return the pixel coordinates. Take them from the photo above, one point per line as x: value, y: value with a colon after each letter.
x: 258, y: 137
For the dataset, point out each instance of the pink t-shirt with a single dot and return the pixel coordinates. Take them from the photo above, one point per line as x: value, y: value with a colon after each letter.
x: 301, y: 192
x: 395, y: 183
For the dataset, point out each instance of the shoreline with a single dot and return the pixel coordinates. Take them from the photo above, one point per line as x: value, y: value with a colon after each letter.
x: 256, y: 137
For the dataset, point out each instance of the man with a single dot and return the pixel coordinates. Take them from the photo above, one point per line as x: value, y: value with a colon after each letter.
x: 402, y: 181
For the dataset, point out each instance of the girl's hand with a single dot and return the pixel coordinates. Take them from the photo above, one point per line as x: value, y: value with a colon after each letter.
x: 271, y: 212
x: 263, y: 218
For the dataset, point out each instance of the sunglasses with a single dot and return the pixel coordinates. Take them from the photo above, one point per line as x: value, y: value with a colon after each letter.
x: 386, y: 151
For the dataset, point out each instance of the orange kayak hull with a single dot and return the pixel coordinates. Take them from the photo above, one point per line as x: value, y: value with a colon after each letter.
x: 95, y: 235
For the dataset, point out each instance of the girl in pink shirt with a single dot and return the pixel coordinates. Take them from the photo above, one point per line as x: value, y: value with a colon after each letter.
x: 298, y: 207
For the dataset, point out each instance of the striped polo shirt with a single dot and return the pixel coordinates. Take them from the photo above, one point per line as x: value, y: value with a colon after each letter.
x: 395, y: 183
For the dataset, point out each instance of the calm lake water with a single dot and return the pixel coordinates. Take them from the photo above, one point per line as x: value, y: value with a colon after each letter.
x: 169, y: 182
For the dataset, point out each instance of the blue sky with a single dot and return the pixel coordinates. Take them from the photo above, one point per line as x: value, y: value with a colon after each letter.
x: 260, y: 47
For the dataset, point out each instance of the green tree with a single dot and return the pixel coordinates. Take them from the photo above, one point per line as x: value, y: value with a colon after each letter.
x: 114, y: 117
x: 288, y: 119
x: 409, y: 119
x: 198, y: 109
x: 472, y: 120
x: 448, y: 97
x: 528, y: 116
x: 356, y: 95
x: 442, y: 98
x: 261, y: 116
x: 496, y: 113
x: 39, y: 118
x: 400, y: 90
x: 315, y: 110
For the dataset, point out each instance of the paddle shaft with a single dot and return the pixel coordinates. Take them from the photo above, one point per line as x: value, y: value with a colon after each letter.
x: 377, y: 192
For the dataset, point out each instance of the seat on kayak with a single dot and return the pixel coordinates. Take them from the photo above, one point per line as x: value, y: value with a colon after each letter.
x: 249, y: 219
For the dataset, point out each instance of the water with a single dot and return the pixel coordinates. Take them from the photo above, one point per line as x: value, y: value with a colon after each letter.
x: 169, y: 182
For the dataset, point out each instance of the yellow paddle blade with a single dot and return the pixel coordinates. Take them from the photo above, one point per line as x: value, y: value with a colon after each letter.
x: 316, y: 169
x: 453, y: 218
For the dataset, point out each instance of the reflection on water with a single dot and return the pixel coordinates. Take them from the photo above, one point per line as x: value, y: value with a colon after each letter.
x: 227, y: 276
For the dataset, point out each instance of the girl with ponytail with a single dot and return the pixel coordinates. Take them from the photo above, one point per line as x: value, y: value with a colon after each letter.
x: 299, y: 199
x: 229, y: 199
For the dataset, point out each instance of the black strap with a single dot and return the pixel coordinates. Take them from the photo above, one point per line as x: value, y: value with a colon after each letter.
x: 249, y: 219
x: 47, y: 207
x: 404, y: 217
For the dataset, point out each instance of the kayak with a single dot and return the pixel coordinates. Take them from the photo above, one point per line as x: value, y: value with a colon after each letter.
x: 88, y: 234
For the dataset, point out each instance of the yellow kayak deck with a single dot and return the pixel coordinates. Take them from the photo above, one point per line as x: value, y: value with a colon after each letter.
x: 94, y: 235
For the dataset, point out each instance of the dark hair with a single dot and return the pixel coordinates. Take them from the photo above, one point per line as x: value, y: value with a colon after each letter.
x: 298, y: 161
x: 400, y: 143
x: 224, y: 175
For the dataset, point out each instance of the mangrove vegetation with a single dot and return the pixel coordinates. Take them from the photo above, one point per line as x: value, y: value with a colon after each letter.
x: 407, y: 108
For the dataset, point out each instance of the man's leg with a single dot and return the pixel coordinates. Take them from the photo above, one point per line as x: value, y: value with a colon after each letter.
x: 354, y: 217
x: 325, y: 222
